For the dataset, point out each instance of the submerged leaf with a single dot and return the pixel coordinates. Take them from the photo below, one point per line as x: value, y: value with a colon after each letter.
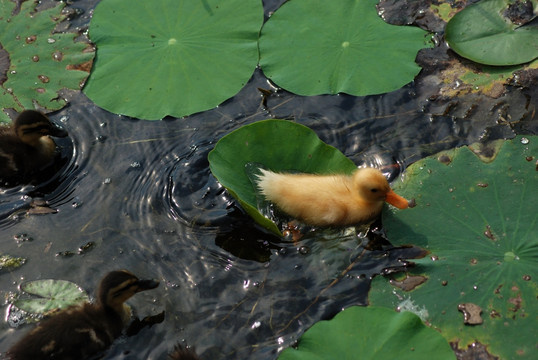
x: 370, y: 333
x: 313, y: 47
x: 482, y: 33
x: 479, y: 221
x: 172, y: 57
x: 277, y: 145
x: 39, y: 62
x: 52, y: 294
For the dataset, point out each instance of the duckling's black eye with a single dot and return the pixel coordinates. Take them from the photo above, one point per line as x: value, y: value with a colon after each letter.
x: 374, y: 190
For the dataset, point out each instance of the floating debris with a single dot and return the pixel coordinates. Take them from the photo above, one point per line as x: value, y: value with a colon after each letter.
x: 489, y: 234
x: 445, y: 159
x: 9, y: 263
x: 409, y: 283
x: 471, y: 313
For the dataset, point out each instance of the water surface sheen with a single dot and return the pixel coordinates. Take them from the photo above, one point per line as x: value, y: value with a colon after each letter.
x: 141, y: 194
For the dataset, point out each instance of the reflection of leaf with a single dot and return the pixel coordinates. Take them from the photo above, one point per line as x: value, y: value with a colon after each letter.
x: 480, y: 223
x: 172, y: 57
x: 480, y: 33
x: 313, y: 47
x: 52, y: 294
x: 40, y: 62
x: 278, y: 145
x: 370, y: 333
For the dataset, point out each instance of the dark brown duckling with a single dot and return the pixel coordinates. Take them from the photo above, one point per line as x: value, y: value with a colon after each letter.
x: 183, y: 353
x: 26, y: 147
x: 82, y: 331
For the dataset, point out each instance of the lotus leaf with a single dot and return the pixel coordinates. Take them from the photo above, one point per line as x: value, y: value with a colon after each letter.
x: 313, y: 47
x: 39, y: 62
x: 370, y: 333
x: 172, y: 57
x: 481, y: 33
x: 278, y: 145
x: 479, y: 221
x: 52, y: 295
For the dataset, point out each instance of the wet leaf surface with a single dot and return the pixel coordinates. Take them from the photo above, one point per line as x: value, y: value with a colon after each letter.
x: 482, y: 241
x: 483, y: 34
x: 36, y: 62
x: 313, y: 47
x: 199, y: 54
x: 370, y: 333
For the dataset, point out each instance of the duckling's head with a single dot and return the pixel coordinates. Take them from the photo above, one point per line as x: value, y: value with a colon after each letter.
x: 118, y: 286
x: 31, y: 125
x: 372, y: 186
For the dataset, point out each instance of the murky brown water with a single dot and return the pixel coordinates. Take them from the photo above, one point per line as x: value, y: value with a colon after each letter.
x: 142, y: 192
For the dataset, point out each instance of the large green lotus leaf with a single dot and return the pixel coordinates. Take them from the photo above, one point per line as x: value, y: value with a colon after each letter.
x: 38, y: 61
x: 52, y: 294
x: 479, y: 220
x: 313, y: 47
x: 370, y: 333
x: 172, y: 57
x: 278, y: 145
x: 481, y: 33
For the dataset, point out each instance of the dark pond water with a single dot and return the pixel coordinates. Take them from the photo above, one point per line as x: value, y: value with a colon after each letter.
x: 143, y: 194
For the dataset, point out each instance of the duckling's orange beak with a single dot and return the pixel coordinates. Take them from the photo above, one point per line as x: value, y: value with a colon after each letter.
x: 396, y: 200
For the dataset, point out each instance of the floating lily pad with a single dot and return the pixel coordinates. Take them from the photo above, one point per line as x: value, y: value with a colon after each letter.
x: 52, y: 295
x: 481, y: 33
x: 37, y: 62
x: 277, y: 145
x: 479, y: 221
x: 172, y: 57
x: 313, y: 47
x: 370, y: 333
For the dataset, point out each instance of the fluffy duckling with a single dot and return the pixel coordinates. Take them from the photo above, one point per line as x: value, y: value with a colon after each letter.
x: 81, y: 331
x: 330, y: 200
x: 26, y: 146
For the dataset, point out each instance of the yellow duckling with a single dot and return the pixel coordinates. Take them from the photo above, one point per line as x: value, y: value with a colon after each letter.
x: 81, y: 331
x: 26, y: 146
x: 330, y: 200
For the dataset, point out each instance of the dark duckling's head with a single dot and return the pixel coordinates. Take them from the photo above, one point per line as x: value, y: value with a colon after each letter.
x: 26, y: 147
x: 118, y: 286
x: 31, y: 125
